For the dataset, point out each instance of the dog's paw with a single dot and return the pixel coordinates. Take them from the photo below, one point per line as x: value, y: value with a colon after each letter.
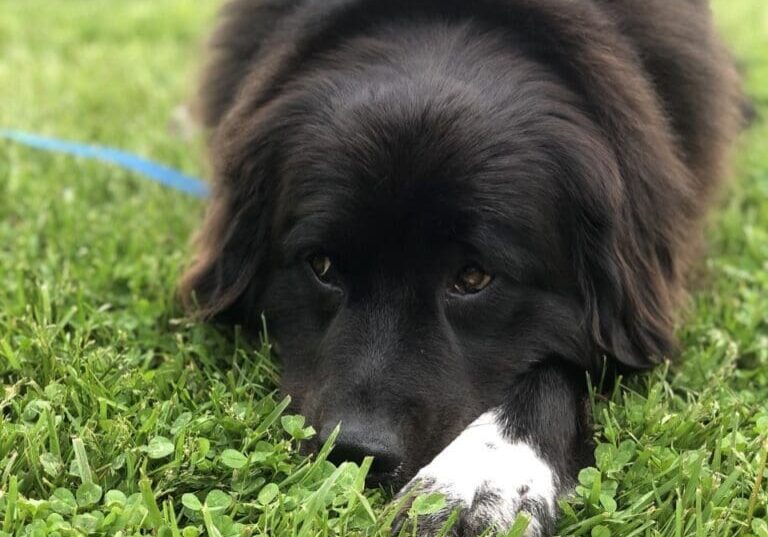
x: 488, y: 480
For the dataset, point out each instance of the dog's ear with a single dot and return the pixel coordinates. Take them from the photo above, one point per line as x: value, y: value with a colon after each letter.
x: 631, y: 302
x: 629, y: 257
x: 233, y: 244
x: 630, y: 265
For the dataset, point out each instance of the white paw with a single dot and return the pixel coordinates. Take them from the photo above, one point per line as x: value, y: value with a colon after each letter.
x: 490, y: 480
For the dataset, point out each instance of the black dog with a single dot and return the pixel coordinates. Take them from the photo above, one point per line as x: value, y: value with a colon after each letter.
x: 450, y: 210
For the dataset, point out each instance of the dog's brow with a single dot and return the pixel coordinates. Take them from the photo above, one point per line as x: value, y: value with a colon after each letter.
x: 499, y: 248
x: 304, y: 236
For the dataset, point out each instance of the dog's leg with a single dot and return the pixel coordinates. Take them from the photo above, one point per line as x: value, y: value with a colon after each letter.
x: 517, y: 457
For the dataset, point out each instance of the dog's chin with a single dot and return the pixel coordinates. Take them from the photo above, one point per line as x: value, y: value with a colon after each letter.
x: 391, y: 482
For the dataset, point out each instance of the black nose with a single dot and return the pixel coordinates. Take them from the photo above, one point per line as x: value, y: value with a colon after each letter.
x: 357, y: 441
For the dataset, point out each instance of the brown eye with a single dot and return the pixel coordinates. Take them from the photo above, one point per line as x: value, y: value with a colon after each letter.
x: 470, y: 280
x: 321, y: 266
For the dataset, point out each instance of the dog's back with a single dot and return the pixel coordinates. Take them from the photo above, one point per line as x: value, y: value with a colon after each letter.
x: 674, y: 42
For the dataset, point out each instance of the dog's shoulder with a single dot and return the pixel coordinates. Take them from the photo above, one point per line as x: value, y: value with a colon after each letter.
x: 244, y: 26
x: 691, y: 71
x: 673, y: 41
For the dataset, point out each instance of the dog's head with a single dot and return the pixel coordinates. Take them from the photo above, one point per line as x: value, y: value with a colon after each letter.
x: 419, y: 237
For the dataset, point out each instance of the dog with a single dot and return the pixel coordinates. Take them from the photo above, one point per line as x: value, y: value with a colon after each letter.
x: 450, y: 213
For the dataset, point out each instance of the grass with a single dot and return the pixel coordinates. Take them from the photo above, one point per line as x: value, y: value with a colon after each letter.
x: 119, y: 417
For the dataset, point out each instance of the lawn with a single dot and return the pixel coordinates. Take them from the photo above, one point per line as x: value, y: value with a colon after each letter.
x: 120, y: 417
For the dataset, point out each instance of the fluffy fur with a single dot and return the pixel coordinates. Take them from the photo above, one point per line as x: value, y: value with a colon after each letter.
x: 570, y: 148
x: 489, y: 478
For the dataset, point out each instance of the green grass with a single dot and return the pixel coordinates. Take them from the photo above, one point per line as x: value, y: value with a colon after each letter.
x: 117, y: 416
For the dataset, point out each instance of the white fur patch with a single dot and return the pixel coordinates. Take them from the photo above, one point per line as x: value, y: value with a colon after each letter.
x: 492, y: 478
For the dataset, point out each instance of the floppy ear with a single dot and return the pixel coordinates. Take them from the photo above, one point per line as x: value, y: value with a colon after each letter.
x: 628, y: 255
x: 631, y: 252
x: 233, y: 244
x: 631, y: 305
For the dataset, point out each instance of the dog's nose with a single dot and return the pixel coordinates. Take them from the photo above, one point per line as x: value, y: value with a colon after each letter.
x: 355, y: 442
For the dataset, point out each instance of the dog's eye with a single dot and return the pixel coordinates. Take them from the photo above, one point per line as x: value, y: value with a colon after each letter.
x: 321, y: 266
x: 470, y: 280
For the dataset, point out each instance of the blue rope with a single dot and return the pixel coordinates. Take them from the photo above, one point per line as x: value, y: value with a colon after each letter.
x: 157, y: 172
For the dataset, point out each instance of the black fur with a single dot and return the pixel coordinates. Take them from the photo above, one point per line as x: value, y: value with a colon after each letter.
x: 570, y: 148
